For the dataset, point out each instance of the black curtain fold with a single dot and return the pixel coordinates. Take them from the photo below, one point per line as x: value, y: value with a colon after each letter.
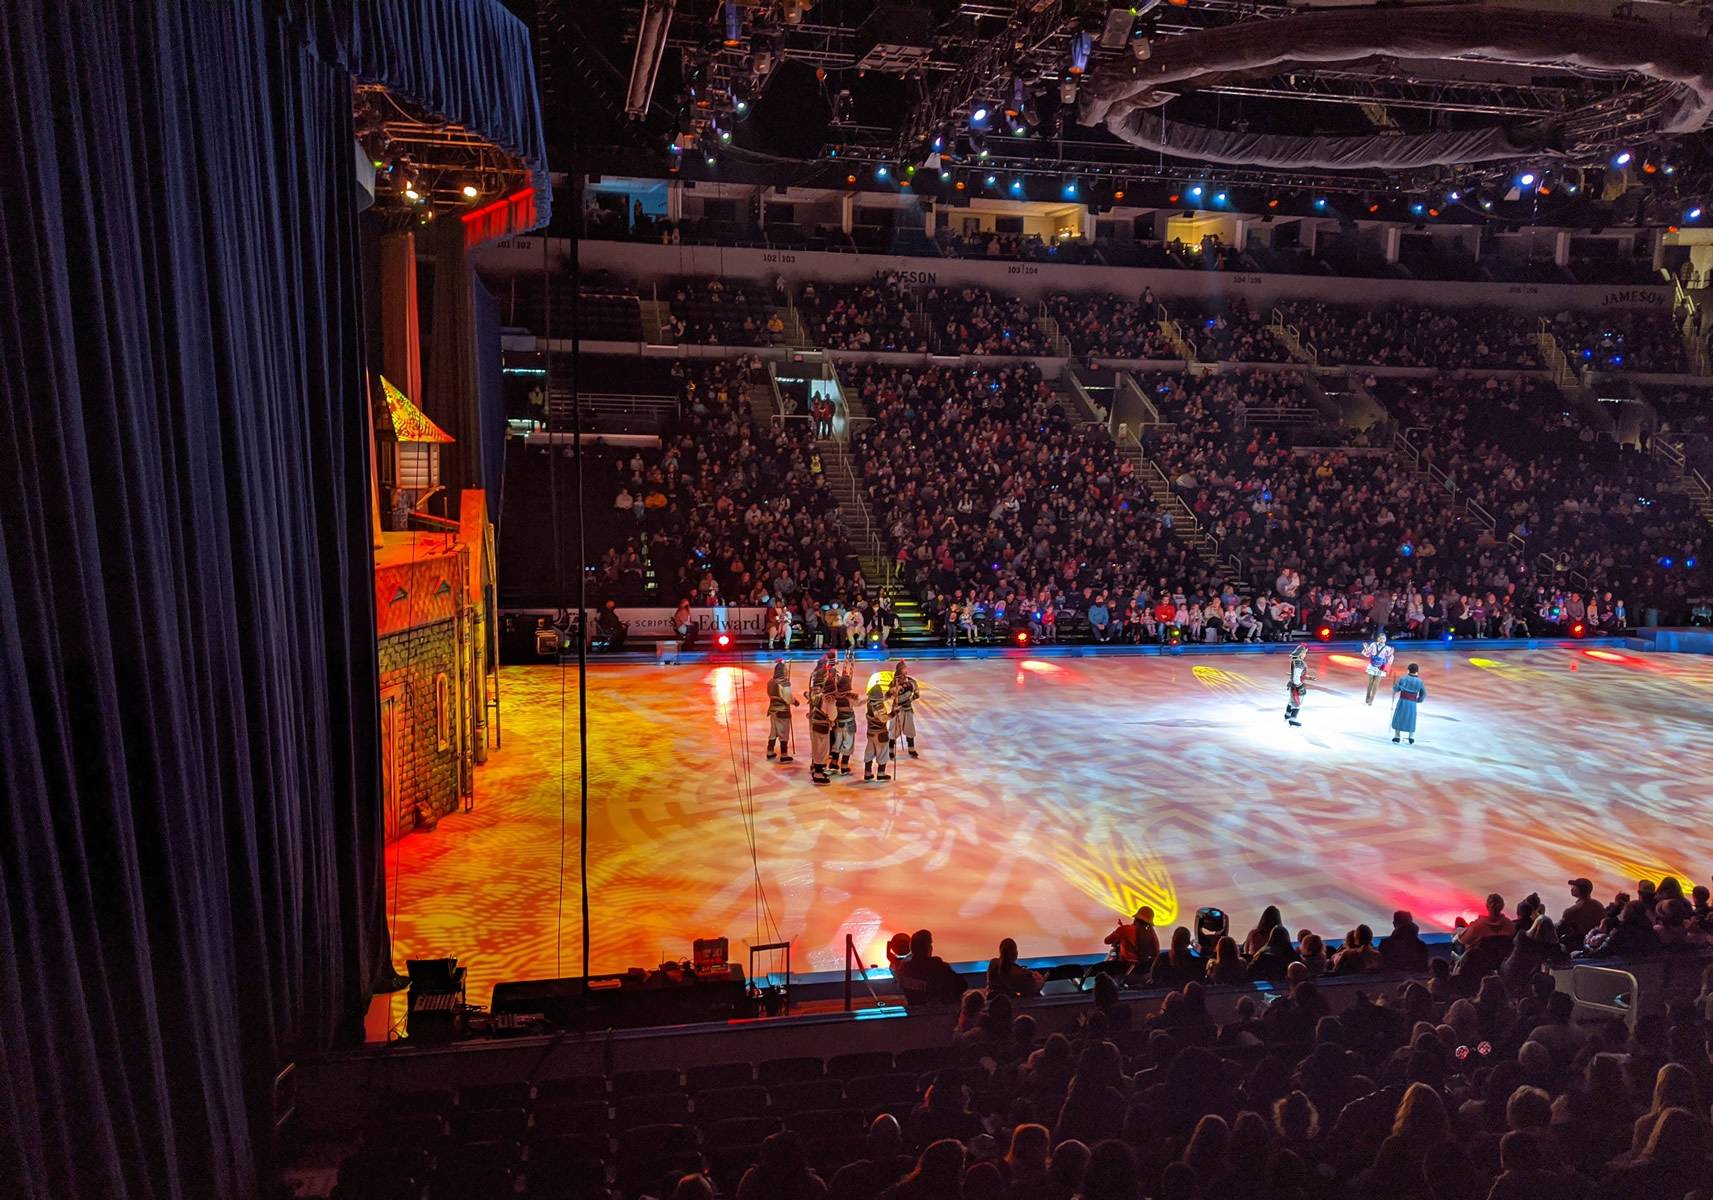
x: 190, y: 867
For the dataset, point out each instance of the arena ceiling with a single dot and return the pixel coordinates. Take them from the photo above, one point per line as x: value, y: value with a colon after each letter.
x: 1603, y: 104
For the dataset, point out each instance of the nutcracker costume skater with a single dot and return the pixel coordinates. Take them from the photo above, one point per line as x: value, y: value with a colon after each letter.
x: 844, y: 725
x: 875, y: 750
x: 779, y: 704
x: 904, y: 693
x: 1296, y: 684
x: 820, y: 730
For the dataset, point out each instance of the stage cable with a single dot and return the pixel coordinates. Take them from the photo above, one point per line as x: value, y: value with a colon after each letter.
x: 582, y: 553
x: 558, y: 580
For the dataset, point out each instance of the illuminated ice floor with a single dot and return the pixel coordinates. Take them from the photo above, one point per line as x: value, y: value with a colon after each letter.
x: 1052, y: 797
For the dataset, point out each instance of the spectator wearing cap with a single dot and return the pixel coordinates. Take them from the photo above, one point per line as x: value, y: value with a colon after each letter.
x: 1136, y: 943
x: 1584, y: 912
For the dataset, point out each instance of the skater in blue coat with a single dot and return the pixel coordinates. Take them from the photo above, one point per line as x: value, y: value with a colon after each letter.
x: 1407, y: 695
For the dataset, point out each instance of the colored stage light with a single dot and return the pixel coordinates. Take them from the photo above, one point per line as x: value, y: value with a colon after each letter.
x: 1324, y: 633
x: 1577, y: 629
x: 1021, y: 637
x: 723, y: 640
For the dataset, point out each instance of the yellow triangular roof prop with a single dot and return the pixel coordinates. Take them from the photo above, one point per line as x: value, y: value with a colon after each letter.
x: 409, y: 423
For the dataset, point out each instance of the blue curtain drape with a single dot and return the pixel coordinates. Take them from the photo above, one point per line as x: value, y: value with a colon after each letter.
x: 190, y: 872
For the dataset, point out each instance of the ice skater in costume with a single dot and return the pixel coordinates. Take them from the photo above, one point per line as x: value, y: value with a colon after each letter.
x: 875, y: 750
x: 1297, y: 683
x: 779, y: 704
x: 1408, y: 694
x: 824, y: 672
x: 904, y: 693
x: 844, y: 725
x: 820, y: 733
x: 1379, y: 656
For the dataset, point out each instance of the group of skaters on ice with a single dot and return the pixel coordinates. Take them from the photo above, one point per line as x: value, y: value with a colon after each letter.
x: 889, y: 716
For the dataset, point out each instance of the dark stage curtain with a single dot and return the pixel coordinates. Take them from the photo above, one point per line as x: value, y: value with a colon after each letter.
x: 190, y: 875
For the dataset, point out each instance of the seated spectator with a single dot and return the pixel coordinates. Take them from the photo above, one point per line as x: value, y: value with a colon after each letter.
x: 1135, y: 943
x: 1226, y: 965
x: 883, y: 1163
x: 1359, y: 954
x: 1492, y: 924
x: 944, y: 1113
x: 1008, y: 977
x: 1584, y: 913
x: 1178, y: 965
x: 1274, y: 958
x: 938, y: 1175
x: 1674, y: 1161
x: 1026, y: 1162
x: 926, y: 978
x: 1403, y: 950
x: 781, y: 1172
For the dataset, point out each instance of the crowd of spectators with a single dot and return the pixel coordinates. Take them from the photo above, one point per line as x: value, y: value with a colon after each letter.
x: 1630, y: 339
x: 1003, y: 512
x: 1380, y: 545
x: 881, y: 315
x: 974, y: 320
x: 1230, y: 332
x: 1685, y: 421
x: 1380, y: 1068
x: 711, y: 311
x: 1112, y: 327
x: 1540, y: 471
x: 736, y: 512
x: 1409, y: 335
